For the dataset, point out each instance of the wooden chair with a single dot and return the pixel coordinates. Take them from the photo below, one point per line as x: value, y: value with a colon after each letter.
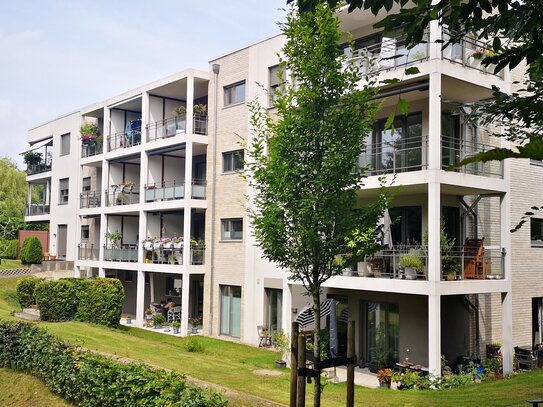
x: 264, y: 337
x: 474, y: 267
x: 526, y: 358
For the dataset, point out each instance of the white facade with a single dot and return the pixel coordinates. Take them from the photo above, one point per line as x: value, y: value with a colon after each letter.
x: 155, y: 174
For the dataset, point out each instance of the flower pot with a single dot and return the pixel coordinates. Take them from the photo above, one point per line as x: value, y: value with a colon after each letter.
x: 177, y: 245
x: 148, y: 245
x: 281, y: 364
x: 175, y: 330
x: 384, y: 385
x: 364, y: 269
x: 157, y: 326
x: 194, y: 330
x: 179, y: 258
x: 410, y: 273
x: 128, y: 320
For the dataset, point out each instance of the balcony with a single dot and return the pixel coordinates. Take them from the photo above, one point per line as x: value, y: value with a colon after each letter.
x: 87, y: 251
x: 126, y: 253
x: 37, y: 209
x: 89, y: 199
x: 198, y: 188
x: 197, y: 254
x: 455, y: 150
x: 118, y: 196
x: 91, y: 148
x: 129, y: 138
x: 164, y: 191
x: 395, y: 156
x: 39, y: 167
x: 164, y: 254
x: 199, y: 123
x: 174, y: 125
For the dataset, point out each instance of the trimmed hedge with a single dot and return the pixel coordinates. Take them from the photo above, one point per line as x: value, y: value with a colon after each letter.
x: 56, y: 300
x: 26, y: 291
x: 9, y: 248
x: 100, y: 301
x: 87, y: 379
x: 31, y: 251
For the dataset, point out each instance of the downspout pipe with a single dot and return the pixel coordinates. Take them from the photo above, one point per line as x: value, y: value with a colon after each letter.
x: 216, y: 68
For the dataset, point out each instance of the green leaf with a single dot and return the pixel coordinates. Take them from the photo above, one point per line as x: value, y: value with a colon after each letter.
x: 413, y: 70
x: 391, y: 81
x: 390, y: 120
x: 403, y: 106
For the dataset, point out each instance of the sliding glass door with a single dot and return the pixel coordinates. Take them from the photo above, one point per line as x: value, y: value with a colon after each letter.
x: 230, y: 310
x: 382, y: 333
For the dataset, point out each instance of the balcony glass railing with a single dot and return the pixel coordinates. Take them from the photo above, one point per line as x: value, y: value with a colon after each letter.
x: 161, y: 254
x: 126, y: 253
x: 37, y: 209
x: 164, y: 191
x: 198, y: 188
x: 89, y: 199
x: 469, y: 53
x: 395, y: 156
x: 197, y: 255
x: 87, y: 251
x: 454, y: 150
x: 39, y: 167
x: 91, y: 148
x: 167, y: 128
x: 121, y: 196
x: 199, y: 123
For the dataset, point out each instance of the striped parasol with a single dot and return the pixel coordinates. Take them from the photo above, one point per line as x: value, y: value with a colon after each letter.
x: 307, y: 317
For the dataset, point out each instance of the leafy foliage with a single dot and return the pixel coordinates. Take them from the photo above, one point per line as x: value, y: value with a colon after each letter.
x: 13, y: 198
x: 100, y: 301
x: 31, y: 251
x: 87, y: 379
x: 56, y: 300
x: 26, y: 291
x: 8, y: 249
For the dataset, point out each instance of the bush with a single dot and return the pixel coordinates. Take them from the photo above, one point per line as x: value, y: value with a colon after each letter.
x: 100, y: 301
x: 31, y: 251
x: 87, y: 379
x: 25, y: 291
x: 56, y: 299
x: 8, y: 249
x: 193, y: 345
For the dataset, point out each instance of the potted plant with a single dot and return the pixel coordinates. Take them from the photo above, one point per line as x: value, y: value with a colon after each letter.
x: 148, y: 243
x: 148, y: 316
x: 180, y: 114
x: 385, y: 377
x: 176, y: 325
x: 128, y: 319
x: 411, y: 263
x: 89, y: 132
x: 281, y: 342
x: 450, y: 268
x: 377, y: 266
x: 200, y: 108
x: 158, y: 321
x: 363, y: 244
x: 194, y: 322
x: 32, y: 157
x: 127, y: 186
x: 179, y: 111
x: 177, y: 242
x: 114, y: 239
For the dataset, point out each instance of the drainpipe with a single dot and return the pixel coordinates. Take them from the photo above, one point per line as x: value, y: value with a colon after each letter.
x: 216, y: 68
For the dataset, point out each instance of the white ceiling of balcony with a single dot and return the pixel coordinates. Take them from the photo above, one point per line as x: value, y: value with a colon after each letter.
x: 178, y: 89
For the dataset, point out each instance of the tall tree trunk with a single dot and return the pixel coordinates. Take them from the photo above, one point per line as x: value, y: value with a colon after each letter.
x: 317, y: 348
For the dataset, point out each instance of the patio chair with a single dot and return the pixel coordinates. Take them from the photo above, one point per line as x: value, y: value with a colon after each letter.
x: 526, y: 358
x: 474, y: 265
x: 174, y: 314
x: 264, y: 337
x: 155, y: 308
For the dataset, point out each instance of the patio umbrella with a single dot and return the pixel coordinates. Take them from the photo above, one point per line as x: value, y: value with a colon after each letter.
x: 333, y: 329
x: 386, y: 222
x: 344, y: 316
x: 307, y: 317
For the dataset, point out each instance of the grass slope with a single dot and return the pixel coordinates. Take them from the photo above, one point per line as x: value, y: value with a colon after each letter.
x: 232, y: 365
x: 8, y: 264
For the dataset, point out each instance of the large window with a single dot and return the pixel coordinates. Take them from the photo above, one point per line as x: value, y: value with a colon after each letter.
x: 86, y: 185
x: 232, y: 161
x: 64, y: 190
x: 382, y: 333
x: 230, y: 310
x: 85, y: 233
x: 274, y: 309
x: 406, y: 226
x: 450, y: 134
x: 234, y: 94
x: 65, y: 144
x: 231, y: 229
x: 536, y: 232
x: 273, y: 73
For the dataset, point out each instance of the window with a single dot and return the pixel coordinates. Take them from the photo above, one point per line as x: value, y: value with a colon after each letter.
x: 234, y: 94
x: 63, y: 191
x: 230, y: 310
x: 85, y: 233
x: 273, y: 73
x: 65, y: 144
x: 382, y: 333
x: 536, y: 232
x: 232, y: 161
x: 406, y: 225
x: 231, y: 229
x: 273, y: 309
x: 536, y: 162
x: 86, y: 187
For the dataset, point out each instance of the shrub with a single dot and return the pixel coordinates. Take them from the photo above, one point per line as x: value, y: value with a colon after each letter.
x: 8, y: 249
x: 31, y: 251
x: 100, y: 301
x: 56, y: 299
x: 193, y: 345
x: 87, y: 379
x: 25, y: 291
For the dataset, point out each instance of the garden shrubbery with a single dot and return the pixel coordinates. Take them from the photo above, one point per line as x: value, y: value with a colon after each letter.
x: 97, y: 301
x: 87, y: 379
x: 26, y: 291
x: 9, y: 248
x: 31, y: 251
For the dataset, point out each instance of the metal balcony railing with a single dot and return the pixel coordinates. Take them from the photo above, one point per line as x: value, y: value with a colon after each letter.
x: 37, y: 209
x: 87, y: 251
x: 89, y: 199
x: 124, y: 140
x: 121, y: 196
x: 125, y: 253
x: 199, y: 123
x: 91, y: 148
x: 37, y: 168
x: 396, y: 156
x: 164, y: 255
x: 454, y: 150
x: 164, y: 191
x: 166, y: 128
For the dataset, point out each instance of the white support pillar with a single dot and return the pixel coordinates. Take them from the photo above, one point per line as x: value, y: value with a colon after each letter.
x: 435, y: 40
x: 187, y: 217
x: 101, y: 272
x: 185, y: 292
x: 287, y: 314
x: 507, y: 332
x: 434, y: 122
x: 140, y: 298
x: 77, y: 271
x: 434, y: 232
x: 190, y: 104
x: 434, y: 333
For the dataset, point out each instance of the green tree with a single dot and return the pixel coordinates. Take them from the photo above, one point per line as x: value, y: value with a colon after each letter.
x: 13, y: 195
x: 303, y: 163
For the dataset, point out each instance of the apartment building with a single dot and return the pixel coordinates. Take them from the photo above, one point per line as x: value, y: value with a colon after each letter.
x: 155, y: 199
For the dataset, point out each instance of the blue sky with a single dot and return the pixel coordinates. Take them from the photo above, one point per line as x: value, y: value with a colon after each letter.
x: 57, y: 56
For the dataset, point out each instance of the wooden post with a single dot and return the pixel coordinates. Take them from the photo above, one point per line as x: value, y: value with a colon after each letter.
x: 350, y: 366
x: 293, y: 364
x: 301, y: 379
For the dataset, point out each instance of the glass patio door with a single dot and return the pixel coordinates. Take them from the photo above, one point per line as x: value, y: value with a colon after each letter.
x: 230, y: 310
x: 382, y: 333
x: 274, y: 309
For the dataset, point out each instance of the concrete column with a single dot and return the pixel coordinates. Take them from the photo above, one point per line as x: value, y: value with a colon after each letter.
x: 434, y: 232
x: 144, y: 117
x: 507, y: 332
x: 185, y: 292
x: 435, y: 38
x: 101, y: 272
x: 286, y: 316
x: 434, y: 333
x: 77, y: 271
x: 187, y: 207
x: 140, y: 298
x: 434, y: 122
x: 190, y: 104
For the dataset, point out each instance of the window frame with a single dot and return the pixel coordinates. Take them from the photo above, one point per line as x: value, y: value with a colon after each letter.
x: 536, y: 242
x: 274, y: 83
x: 63, y: 194
x: 63, y: 148
x: 230, y: 157
x: 230, y: 92
x: 227, y: 225
x: 85, y: 230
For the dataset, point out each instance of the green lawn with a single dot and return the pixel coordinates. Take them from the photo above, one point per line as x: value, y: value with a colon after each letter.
x: 11, y: 264
x: 232, y: 365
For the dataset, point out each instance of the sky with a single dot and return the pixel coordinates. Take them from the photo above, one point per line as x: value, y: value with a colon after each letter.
x: 57, y: 56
